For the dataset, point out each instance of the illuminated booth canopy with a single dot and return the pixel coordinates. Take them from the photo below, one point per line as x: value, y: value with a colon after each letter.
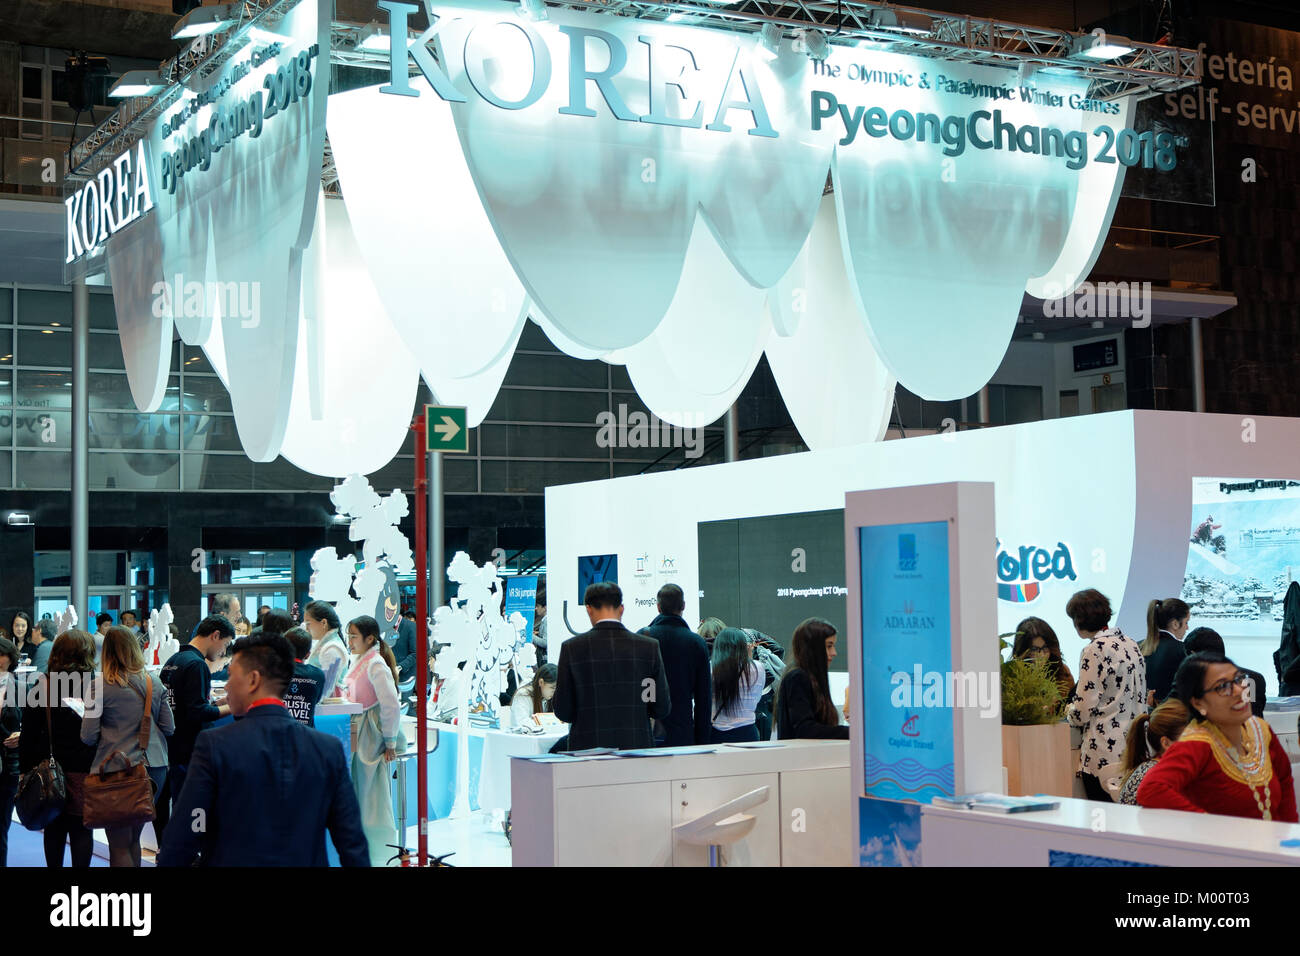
x: 652, y: 193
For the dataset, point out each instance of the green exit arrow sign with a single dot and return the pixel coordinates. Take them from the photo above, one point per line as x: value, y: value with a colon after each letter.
x: 445, y: 428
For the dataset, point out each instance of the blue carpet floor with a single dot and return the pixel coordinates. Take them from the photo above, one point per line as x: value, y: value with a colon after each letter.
x: 27, y: 849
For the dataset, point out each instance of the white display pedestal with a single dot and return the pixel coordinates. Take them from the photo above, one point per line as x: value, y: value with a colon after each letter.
x: 621, y: 811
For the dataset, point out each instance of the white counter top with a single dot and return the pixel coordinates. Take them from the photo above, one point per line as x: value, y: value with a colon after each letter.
x: 342, y: 707
x: 952, y: 837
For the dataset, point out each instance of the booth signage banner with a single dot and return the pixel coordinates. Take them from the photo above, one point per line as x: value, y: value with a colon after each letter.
x: 906, y: 648
x: 111, y: 201
x: 521, y: 596
x: 232, y: 170
x: 597, y: 139
x: 647, y: 192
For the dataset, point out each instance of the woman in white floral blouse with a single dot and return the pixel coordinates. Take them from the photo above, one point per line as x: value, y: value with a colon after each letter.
x: 1112, y: 692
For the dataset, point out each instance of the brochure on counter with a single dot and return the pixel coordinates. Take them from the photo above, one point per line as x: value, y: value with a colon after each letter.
x: 996, y: 803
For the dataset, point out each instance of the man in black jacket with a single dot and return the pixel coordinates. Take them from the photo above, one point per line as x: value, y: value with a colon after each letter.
x: 611, y: 682
x: 686, y: 664
x: 189, y: 682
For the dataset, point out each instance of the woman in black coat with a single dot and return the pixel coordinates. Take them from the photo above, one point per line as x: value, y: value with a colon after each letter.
x: 803, y: 702
x: 72, y: 667
x: 10, y: 724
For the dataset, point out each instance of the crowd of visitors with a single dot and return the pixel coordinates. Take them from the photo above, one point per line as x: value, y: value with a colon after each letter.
x: 1171, y: 722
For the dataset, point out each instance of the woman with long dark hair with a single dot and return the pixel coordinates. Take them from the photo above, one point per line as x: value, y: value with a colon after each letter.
x: 11, y: 723
x: 376, y: 731
x: 804, y: 707
x: 1227, y: 760
x: 71, y: 670
x: 534, y: 697
x: 1163, y: 648
x: 1036, y: 641
x: 737, y: 685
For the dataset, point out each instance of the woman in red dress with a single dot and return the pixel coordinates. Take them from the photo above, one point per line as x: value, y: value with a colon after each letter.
x: 1226, y: 761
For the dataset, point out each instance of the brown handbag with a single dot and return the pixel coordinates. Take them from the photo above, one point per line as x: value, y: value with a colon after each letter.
x: 123, y: 798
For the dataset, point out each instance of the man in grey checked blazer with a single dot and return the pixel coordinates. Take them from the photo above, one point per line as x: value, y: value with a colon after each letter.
x: 611, y: 683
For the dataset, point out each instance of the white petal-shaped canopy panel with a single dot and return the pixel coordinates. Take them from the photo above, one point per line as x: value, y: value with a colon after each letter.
x: 836, y: 388
x: 431, y: 251
x: 596, y: 209
x: 1099, y: 187
x: 133, y: 269
x: 370, y: 376
x: 476, y: 392
x: 239, y: 225
x: 760, y: 199
x: 215, y: 350
x: 562, y: 341
x: 694, y: 365
x: 940, y: 246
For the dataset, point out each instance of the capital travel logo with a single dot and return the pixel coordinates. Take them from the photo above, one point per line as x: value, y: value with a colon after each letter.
x: 1021, y: 574
x: 907, y: 552
x: 909, y: 728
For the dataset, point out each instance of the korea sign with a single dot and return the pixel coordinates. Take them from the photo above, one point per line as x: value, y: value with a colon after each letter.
x: 444, y: 428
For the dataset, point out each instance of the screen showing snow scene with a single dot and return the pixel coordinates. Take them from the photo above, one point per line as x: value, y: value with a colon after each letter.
x: 1243, y: 552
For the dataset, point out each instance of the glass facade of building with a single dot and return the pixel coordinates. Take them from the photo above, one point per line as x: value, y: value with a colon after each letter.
x: 543, y: 429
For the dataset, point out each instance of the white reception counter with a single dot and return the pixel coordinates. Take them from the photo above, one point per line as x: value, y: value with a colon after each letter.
x: 1087, y: 833
x: 620, y: 811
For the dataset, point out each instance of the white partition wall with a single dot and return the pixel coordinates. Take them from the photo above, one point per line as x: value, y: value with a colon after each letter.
x: 923, y: 658
x: 1102, y: 501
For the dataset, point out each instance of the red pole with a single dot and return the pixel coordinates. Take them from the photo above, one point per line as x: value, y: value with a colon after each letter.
x: 421, y: 619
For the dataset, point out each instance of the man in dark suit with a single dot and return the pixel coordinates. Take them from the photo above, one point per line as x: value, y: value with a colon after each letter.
x: 686, y: 662
x: 611, y: 682
x: 263, y: 790
x: 1207, y: 639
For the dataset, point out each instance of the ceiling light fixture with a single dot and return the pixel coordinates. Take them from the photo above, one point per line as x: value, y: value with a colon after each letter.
x: 1097, y: 45
x: 204, y: 20
x: 769, y: 40
x: 136, y: 83
x: 534, y: 10
x: 815, y: 45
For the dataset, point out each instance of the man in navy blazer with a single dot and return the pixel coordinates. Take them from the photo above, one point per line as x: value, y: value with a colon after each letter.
x: 263, y: 790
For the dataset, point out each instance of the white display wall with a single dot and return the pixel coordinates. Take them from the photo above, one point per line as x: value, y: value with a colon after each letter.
x: 1115, y: 490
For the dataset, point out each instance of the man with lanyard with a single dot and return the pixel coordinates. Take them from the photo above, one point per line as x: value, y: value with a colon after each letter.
x: 188, y: 680
x: 267, y: 787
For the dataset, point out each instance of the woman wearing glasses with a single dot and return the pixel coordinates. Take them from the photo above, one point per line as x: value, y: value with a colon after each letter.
x: 1226, y: 761
x: 1036, y: 641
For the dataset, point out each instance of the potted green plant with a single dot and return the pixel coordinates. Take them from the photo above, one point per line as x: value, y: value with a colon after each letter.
x: 1035, y: 741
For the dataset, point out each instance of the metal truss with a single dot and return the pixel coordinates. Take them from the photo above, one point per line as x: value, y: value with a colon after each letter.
x: 200, y: 58
x: 1148, y: 70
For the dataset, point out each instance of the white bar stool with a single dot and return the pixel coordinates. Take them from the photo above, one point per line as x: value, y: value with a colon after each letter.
x: 723, y: 826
